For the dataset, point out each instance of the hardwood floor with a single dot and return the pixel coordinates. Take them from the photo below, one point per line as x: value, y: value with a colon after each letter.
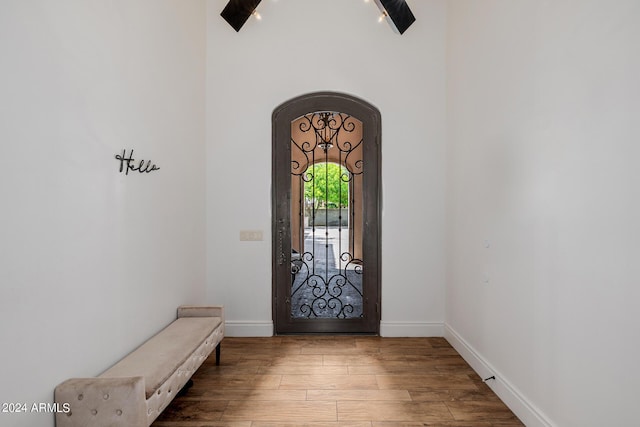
x: 343, y: 381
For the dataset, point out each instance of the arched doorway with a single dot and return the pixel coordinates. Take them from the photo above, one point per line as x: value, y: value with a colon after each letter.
x: 326, y: 215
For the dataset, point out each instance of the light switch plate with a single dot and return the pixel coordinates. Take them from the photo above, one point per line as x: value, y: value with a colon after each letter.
x: 251, y: 235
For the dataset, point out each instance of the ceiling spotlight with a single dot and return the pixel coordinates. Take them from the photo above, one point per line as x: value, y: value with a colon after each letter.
x: 397, y: 13
x: 236, y: 12
x: 257, y: 15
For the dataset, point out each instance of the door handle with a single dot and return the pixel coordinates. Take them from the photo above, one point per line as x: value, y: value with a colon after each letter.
x: 282, y: 258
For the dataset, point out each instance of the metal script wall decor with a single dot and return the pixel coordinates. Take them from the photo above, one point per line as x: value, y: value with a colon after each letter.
x: 127, y: 163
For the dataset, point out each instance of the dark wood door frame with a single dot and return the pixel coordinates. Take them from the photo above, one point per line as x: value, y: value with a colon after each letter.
x: 282, y: 117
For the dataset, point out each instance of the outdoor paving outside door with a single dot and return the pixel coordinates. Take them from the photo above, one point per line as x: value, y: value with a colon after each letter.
x: 326, y: 215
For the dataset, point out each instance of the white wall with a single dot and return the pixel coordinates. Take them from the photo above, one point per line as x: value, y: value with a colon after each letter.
x: 543, y: 125
x: 92, y: 262
x: 303, y: 46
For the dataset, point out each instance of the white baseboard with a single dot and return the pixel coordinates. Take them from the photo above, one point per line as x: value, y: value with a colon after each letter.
x: 240, y: 328
x: 509, y: 394
x: 411, y: 329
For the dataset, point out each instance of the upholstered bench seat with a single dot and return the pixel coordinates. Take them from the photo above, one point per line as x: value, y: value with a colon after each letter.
x: 158, y: 358
x: 134, y: 391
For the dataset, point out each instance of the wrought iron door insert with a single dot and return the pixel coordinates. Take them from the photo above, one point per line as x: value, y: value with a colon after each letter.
x: 326, y: 228
x: 326, y: 172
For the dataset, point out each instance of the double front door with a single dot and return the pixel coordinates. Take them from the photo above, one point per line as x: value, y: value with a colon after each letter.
x: 326, y: 215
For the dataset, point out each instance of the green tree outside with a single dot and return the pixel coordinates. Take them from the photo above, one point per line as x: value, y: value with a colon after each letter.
x: 328, y: 186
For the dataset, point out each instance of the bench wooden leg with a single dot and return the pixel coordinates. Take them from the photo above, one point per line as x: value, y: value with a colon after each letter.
x: 186, y: 387
x: 218, y: 355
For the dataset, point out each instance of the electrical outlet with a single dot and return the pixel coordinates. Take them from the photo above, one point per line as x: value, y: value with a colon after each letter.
x: 251, y: 235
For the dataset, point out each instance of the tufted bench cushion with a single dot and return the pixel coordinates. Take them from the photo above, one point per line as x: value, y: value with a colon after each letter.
x: 134, y: 391
x: 159, y: 357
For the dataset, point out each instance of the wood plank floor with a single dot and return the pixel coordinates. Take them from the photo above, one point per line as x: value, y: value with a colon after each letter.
x: 337, y: 381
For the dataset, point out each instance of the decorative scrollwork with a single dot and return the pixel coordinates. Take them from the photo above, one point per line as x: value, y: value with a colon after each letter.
x: 324, y: 285
x: 320, y: 294
x: 324, y: 130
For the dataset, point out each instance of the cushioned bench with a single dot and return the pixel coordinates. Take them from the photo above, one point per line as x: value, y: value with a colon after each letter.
x: 134, y: 391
